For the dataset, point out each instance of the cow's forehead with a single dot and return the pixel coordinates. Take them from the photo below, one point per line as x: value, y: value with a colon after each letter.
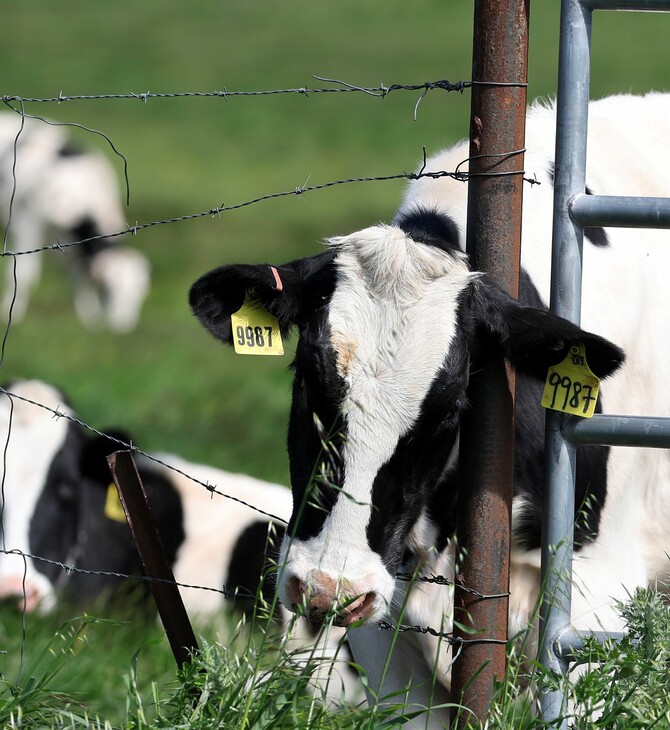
x: 394, y: 309
x: 393, y: 316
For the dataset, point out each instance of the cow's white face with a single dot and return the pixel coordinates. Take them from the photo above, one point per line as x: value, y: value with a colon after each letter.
x: 393, y: 325
x: 32, y: 438
x: 120, y: 279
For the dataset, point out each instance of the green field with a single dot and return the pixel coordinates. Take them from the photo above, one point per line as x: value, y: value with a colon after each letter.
x: 168, y: 382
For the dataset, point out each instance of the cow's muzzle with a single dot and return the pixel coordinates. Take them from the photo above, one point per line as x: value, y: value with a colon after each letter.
x: 322, y: 599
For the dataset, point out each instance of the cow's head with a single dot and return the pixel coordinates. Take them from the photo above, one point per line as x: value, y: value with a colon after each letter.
x: 392, y: 323
x: 78, y: 197
x: 39, y: 475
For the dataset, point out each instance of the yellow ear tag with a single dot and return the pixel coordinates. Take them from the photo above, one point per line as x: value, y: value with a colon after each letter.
x: 571, y: 387
x: 255, y: 330
x: 113, y: 508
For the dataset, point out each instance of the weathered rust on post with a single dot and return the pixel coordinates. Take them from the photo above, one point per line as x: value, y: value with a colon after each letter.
x: 499, y: 70
x: 166, y: 594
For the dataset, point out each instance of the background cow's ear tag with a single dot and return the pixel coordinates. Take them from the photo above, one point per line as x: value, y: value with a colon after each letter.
x: 113, y: 508
x: 571, y: 387
x: 255, y: 330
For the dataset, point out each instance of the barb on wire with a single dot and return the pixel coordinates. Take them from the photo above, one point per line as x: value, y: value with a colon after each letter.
x: 442, y: 581
x: 131, y: 447
x: 216, y: 211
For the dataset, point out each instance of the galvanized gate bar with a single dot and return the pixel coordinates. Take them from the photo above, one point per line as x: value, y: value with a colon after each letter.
x: 566, y: 281
x: 641, y: 5
x: 620, y: 211
x: 165, y: 591
x: 618, y: 431
x: 573, y: 210
x: 497, y: 126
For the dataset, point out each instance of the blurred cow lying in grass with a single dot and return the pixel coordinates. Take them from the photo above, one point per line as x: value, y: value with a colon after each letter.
x: 52, y: 191
x: 59, y: 504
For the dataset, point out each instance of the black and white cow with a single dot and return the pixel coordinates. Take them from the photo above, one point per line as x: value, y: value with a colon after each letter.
x: 55, y: 504
x: 55, y: 491
x: 49, y: 189
x: 392, y: 322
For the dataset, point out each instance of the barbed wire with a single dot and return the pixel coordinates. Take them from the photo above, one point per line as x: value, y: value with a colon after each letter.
x: 239, y: 594
x: 459, y: 175
x: 134, y: 449
x: 343, y: 87
x: 448, y: 636
x: 68, y: 569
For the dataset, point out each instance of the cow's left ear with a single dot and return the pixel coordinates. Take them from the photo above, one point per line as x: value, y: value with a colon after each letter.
x: 534, y: 339
x: 291, y: 292
x: 93, y: 458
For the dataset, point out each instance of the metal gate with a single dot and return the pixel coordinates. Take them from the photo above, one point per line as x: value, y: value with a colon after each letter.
x: 573, y: 210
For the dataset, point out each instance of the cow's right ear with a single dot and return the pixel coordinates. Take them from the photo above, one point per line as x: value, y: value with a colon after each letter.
x: 291, y: 292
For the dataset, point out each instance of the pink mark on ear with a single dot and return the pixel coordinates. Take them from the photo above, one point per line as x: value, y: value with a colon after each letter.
x: 278, y: 282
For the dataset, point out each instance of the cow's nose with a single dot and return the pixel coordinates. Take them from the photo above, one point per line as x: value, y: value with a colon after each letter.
x: 27, y: 594
x: 322, y: 597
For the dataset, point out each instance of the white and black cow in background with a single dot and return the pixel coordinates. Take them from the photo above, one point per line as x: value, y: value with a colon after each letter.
x: 56, y: 190
x: 55, y: 483
x: 392, y: 323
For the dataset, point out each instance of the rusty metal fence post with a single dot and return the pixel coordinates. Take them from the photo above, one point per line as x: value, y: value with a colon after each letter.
x: 498, y: 108
x: 163, y: 586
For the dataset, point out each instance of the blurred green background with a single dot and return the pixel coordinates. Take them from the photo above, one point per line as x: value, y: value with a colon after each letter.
x: 168, y: 382
x: 173, y: 386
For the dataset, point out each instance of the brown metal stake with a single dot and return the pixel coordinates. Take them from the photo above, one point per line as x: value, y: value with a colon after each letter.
x: 166, y: 594
x: 499, y: 72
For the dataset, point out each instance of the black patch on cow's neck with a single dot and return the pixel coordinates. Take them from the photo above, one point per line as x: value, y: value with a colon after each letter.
x: 594, y: 234
x: 407, y: 483
x: 315, y: 430
x: 430, y: 227
x: 250, y: 569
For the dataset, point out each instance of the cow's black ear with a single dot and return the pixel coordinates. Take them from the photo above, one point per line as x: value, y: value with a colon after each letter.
x: 533, y: 339
x: 93, y: 459
x: 291, y: 292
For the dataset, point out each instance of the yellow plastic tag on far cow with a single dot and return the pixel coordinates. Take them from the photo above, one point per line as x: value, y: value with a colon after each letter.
x: 571, y: 387
x: 113, y: 508
x: 255, y: 331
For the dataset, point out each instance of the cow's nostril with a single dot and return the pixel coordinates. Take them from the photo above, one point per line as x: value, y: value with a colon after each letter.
x: 295, y: 590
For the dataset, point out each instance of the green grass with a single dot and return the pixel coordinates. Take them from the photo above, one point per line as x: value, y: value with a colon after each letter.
x: 168, y: 382
x: 246, y: 679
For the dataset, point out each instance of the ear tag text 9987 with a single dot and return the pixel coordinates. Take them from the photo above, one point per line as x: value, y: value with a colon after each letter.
x: 255, y: 331
x: 571, y: 387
